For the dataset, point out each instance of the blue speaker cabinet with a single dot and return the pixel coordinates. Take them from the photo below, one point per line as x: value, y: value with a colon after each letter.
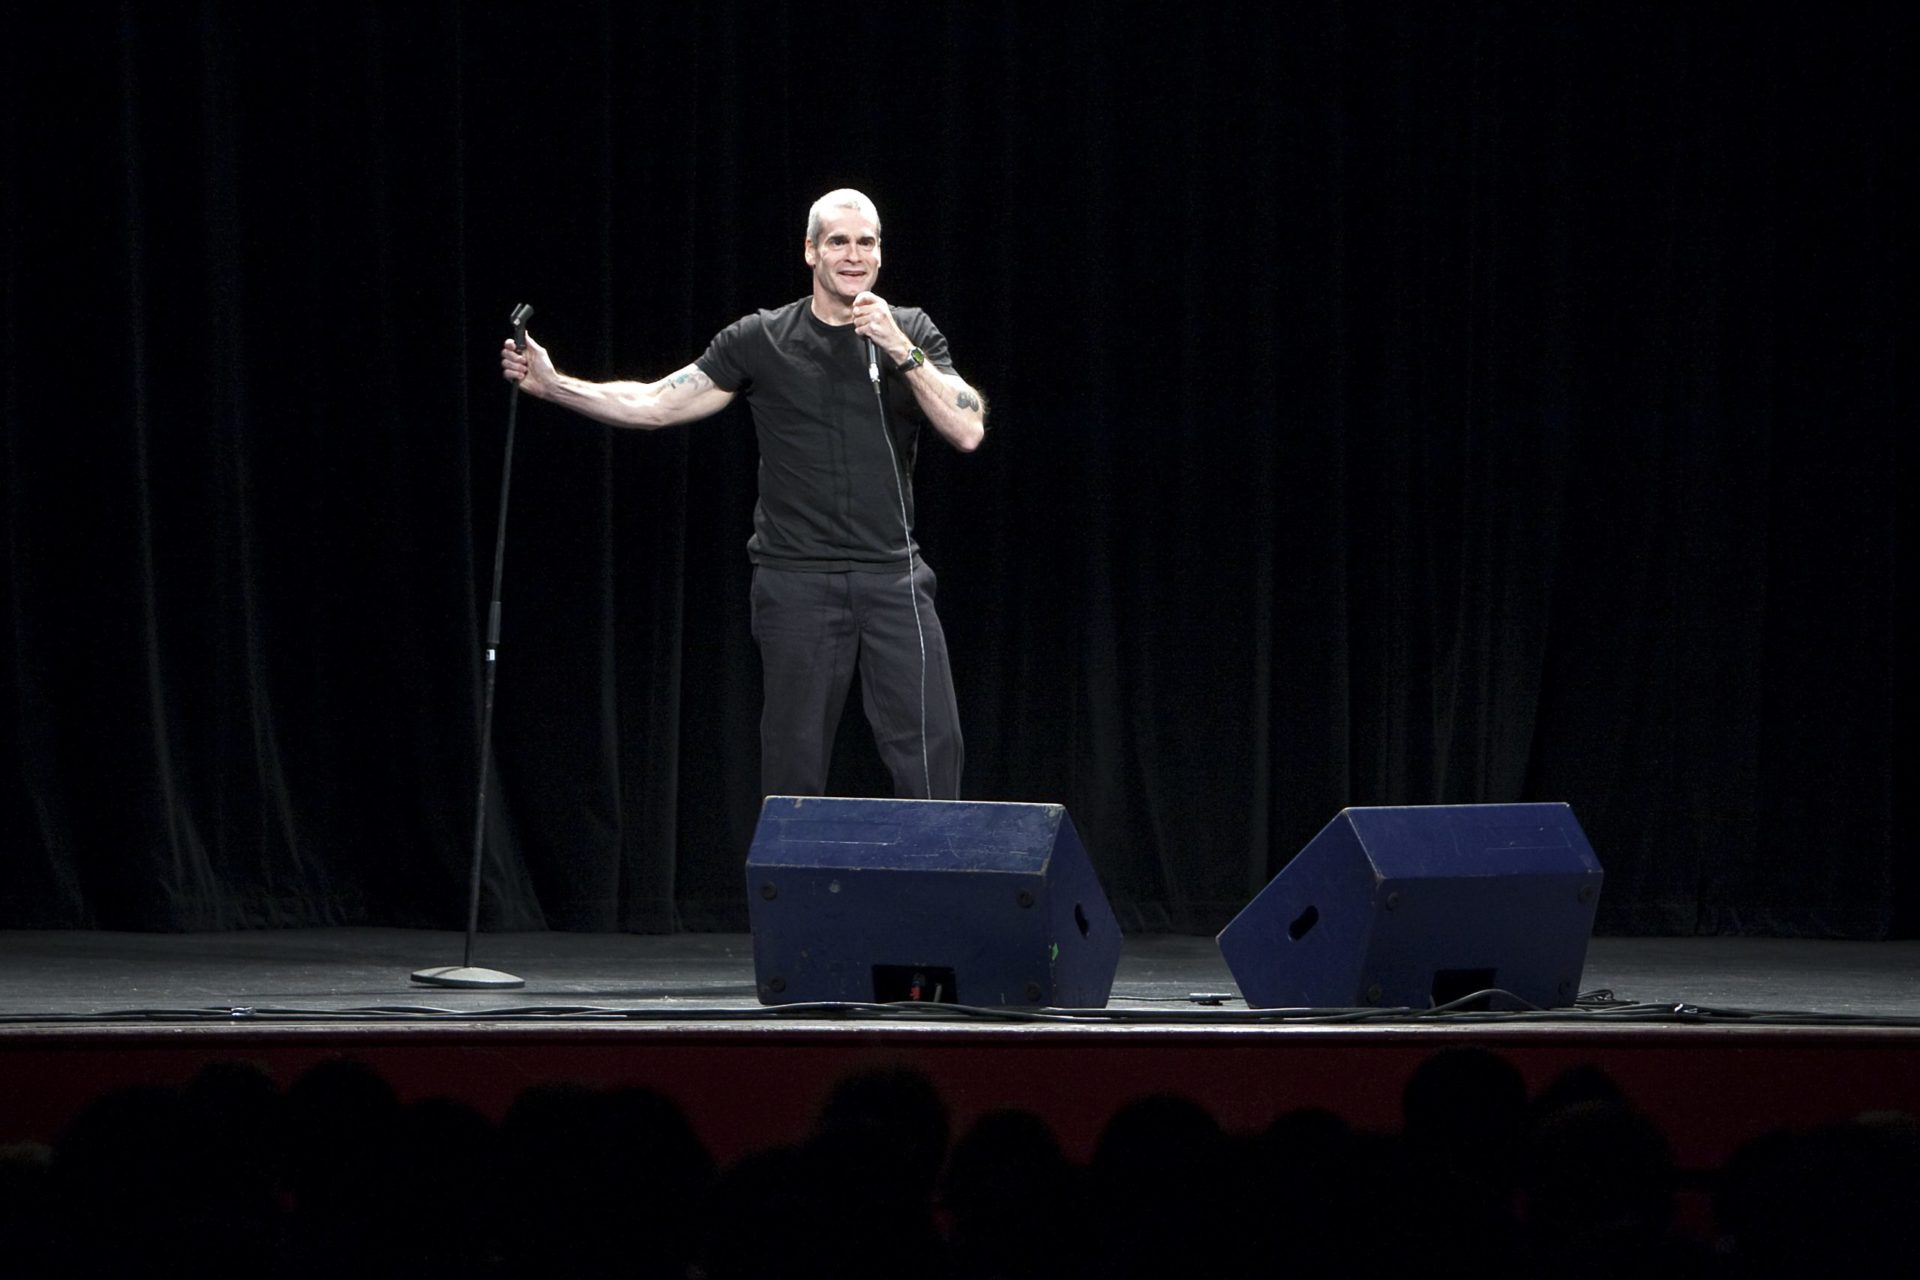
x: 941, y: 900
x: 1414, y: 907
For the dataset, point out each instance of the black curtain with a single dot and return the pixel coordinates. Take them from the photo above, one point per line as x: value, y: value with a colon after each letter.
x: 1392, y: 404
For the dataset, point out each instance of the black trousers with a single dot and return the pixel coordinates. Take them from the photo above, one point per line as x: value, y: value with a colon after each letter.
x: 813, y: 629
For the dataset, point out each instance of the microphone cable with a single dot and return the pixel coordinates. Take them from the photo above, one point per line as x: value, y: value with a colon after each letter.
x: 906, y: 529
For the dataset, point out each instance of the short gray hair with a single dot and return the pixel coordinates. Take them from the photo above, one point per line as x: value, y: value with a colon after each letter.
x: 843, y: 198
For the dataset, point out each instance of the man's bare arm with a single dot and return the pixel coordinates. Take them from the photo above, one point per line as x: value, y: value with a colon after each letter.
x: 684, y: 396
x: 955, y: 409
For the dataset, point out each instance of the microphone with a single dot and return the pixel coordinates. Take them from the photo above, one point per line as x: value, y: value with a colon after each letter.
x: 521, y: 314
x: 873, y: 364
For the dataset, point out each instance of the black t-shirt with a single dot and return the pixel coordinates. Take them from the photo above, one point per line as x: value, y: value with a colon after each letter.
x: 828, y: 497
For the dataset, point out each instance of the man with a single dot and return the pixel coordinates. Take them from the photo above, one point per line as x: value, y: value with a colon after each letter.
x: 839, y: 383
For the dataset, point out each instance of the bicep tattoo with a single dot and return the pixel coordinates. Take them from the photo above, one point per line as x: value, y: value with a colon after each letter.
x: 686, y: 384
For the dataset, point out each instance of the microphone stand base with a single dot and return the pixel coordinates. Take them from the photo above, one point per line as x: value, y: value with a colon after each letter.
x: 461, y: 975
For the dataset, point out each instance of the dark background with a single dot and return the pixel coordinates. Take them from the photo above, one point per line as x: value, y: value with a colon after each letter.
x: 1392, y: 404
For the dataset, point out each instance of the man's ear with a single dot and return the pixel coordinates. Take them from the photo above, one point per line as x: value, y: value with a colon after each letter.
x: 808, y: 253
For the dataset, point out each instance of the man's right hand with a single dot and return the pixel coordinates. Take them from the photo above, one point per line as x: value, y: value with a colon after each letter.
x: 531, y: 368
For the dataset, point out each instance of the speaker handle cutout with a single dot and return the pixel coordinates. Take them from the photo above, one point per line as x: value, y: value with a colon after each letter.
x: 1303, y: 923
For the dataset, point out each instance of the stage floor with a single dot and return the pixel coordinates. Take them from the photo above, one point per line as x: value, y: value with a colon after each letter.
x: 82, y: 977
x: 1715, y: 1038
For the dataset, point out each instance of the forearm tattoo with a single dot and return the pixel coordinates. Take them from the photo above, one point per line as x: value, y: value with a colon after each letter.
x: 967, y: 400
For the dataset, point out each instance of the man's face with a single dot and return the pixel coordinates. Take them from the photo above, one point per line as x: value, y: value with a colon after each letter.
x: 846, y: 256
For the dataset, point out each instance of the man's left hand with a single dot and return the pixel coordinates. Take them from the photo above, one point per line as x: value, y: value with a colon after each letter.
x: 873, y: 319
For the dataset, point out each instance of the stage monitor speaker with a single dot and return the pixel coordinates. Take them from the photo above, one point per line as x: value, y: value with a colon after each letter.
x: 951, y: 901
x: 1414, y: 907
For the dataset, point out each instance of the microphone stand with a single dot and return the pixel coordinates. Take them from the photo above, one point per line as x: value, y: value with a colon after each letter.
x: 465, y: 974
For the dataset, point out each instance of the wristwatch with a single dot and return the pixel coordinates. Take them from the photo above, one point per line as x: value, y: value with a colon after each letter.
x: 915, y: 358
